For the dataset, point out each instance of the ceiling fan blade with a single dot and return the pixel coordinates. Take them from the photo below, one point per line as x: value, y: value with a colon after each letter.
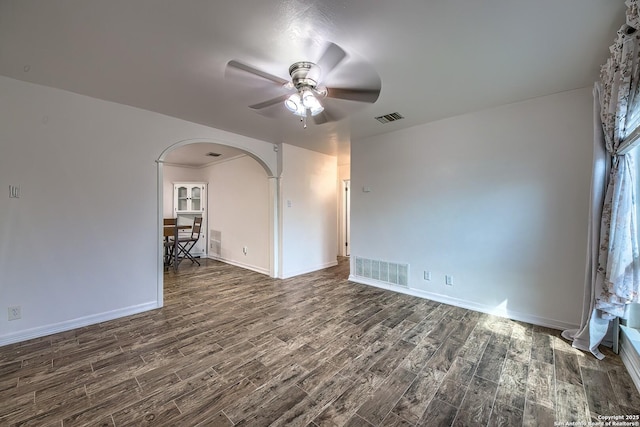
x: 269, y: 102
x: 331, y: 57
x: 249, y: 69
x: 323, y: 117
x: 360, y: 95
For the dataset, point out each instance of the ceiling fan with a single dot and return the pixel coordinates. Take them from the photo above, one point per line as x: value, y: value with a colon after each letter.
x: 309, y: 88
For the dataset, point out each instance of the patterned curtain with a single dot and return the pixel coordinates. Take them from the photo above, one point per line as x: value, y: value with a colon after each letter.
x: 613, y: 280
x: 633, y: 15
x: 618, y: 264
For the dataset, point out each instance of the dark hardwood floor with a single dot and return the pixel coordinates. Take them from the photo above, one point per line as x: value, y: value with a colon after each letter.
x: 233, y: 347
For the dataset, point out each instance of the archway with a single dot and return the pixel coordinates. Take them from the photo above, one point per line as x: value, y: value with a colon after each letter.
x: 273, y: 196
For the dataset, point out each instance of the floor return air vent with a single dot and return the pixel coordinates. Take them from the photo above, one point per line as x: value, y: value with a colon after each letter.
x: 388, y: 272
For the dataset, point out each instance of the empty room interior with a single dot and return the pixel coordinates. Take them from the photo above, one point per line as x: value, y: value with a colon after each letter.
x: 319, y: 213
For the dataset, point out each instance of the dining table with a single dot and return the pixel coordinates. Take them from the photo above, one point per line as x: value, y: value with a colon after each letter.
x: 171, y: 251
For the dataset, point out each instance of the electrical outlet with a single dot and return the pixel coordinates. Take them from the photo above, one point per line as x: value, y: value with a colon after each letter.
x: 15, y: 312
x: 427, y: 275
x: 448, y: 280
x: 245, y: 250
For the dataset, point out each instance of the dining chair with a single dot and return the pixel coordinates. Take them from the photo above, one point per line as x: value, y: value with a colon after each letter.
x: 170, y: 239
x: 186, y: 244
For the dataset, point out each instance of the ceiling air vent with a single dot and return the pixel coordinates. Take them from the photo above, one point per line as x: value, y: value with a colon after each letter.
x: 390, y: 117
x: 212, y: 154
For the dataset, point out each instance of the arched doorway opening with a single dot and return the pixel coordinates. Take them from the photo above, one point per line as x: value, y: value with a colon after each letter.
x: 227, y: 170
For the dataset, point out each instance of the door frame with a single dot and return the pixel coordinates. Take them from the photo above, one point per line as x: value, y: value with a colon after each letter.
x: 345, y: 249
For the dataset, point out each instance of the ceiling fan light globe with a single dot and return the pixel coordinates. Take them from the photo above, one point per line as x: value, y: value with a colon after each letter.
x: 309, y: 100
x: 317, y: 110
x: 293, y: 103
x: 321, y: 91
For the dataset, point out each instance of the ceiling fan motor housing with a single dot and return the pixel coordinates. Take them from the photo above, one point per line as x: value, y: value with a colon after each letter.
x: 300, y: 76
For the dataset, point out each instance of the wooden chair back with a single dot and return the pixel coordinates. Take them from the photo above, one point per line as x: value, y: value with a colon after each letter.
x: 197, y: 226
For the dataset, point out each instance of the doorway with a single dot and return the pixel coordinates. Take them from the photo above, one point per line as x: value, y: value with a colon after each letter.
x: 239, y: 163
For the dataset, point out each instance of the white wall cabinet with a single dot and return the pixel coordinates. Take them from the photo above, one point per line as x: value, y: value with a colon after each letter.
x: 189, y: 201
x: 189, y: 197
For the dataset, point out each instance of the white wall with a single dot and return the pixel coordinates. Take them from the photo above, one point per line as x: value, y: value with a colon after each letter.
x: 308, y: 206
x: 81, y: 244
x: 497, y: 198
x: 239, y: 209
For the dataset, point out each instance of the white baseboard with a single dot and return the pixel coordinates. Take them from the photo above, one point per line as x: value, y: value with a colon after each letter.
x: 68, y: 325
x: 629, y: 353
x: 288, y: 274
x: 470, y: 305
x: 241, y: 265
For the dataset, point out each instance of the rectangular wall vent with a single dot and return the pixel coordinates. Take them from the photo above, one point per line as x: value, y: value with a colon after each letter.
x: 388, y: 272
x: 215, y: 242
x: 390, y: 117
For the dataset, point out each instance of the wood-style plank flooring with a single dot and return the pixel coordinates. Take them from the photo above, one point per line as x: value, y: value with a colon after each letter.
x: 233, y: 347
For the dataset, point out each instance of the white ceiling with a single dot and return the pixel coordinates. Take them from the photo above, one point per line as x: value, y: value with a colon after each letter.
x: 435, y: 58
x: 198, y: 155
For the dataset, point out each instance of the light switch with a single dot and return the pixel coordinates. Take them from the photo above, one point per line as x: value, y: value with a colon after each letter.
x: 14, y: 192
